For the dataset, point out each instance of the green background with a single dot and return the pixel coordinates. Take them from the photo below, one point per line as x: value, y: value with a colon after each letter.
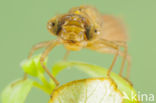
x: 23, y: 24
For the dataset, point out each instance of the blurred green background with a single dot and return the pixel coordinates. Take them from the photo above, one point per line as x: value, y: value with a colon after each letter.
x: 23, y: 24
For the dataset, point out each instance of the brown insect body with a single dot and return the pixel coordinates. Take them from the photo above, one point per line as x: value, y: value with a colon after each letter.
x: 85, y: 27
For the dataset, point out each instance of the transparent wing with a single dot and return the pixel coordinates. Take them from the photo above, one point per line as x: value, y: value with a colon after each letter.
x: 113, y: 29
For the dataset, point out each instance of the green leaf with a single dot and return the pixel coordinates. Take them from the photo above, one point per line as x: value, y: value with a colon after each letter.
x: 17, y: 92
x: 33, y: 66
x: 96, y: 71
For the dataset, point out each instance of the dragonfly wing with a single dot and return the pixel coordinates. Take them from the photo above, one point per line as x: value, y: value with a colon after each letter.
x: 113, y: 29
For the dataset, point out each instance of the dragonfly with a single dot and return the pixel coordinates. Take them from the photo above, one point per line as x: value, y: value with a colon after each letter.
x: 85, y: 27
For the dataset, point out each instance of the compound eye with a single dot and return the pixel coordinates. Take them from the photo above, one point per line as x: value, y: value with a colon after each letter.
x: 96, y: 32
x: 52, y: 24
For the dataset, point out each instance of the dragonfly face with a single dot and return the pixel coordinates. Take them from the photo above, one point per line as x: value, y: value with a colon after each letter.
x: 71, y: 30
